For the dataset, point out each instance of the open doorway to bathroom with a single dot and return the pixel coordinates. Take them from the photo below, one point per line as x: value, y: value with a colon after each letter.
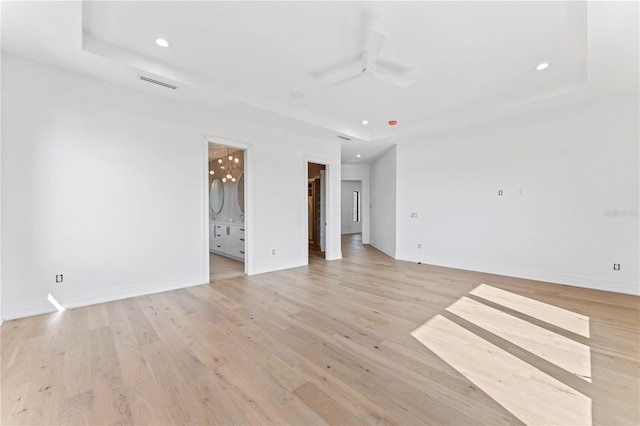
x: 227, y: 246
x: 316, y: 196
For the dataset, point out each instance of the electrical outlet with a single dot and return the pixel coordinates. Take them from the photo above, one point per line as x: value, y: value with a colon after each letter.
x: 500, y: 192
x: 273, y: 252
x: 413, y: 215
x: 59, y: 278
x: 616, y: 266
x: 419, y: 245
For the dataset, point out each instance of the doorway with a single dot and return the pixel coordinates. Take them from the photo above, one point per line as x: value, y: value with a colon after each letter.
x: 351, y: 207
x: 352, y: 217
x: 317, y: 211
x: 227, y: 242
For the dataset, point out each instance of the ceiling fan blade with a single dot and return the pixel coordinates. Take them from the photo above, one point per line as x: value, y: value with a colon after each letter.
x: 368, y: 20
x: 393, y: 79
x: 373, y: 50
x: 341, y: 82
x: 393, y: 67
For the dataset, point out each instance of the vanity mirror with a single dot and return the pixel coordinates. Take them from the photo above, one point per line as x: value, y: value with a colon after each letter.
x: 241, y: 193
x: 216, y: 196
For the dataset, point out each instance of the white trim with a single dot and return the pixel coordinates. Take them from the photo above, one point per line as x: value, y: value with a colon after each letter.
x: 249, y: 212
x: 536, y: 275
x: 81, y: 300
x: 383, y: 249
x: 226, y: 142
x: 330, y: 252
x: 205, y: 174
x: 364, y: 206
x: 29, y: 309
x: 110, y: 295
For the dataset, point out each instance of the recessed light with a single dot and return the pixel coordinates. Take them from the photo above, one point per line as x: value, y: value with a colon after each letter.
x: 358, y: 155
x: 542, y: 66
x: 365, y: 122
x: 162, y: 42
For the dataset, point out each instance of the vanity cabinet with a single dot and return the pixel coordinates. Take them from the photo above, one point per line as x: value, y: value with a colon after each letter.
x: 227, y: 239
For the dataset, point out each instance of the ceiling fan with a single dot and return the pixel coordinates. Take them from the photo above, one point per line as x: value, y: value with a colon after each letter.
x: 369, y: 60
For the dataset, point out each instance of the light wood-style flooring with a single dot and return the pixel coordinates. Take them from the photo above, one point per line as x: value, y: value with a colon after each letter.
x: 223, y: 267
x: 363, y: 340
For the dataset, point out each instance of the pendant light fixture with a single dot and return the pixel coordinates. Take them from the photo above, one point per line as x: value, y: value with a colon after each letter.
x: 230, y: 167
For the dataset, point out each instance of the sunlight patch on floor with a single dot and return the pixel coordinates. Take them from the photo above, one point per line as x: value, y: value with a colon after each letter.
x: 568, y: 320
x: 574, y: 357
x: 530, y: 394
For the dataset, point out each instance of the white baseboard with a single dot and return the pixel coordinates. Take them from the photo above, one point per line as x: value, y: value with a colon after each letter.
x: 536, y: 275
x: 383, y: 249
x: 338, y: 257
x: 280, y: 268
x: 28, y: 309
x: 42, y: 305
x: 76, y: 301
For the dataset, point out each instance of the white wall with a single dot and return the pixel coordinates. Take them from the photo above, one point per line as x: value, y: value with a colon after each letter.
x: 1, y: 317
x: 360, y: 172
x: 348, y: 225
x: 561, y: 172
x: 108, y: 187
x: 383, y: 202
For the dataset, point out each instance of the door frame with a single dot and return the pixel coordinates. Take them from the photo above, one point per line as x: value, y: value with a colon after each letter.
x: 362, y: 204
x: 248, y: 206
x: 330, y: 251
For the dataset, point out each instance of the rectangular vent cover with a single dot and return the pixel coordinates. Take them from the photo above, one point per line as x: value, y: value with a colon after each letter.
x: 344, y: 138
x: 159, y: 83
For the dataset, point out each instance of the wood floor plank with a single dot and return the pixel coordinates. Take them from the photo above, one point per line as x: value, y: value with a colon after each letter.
x: 143, y: 331
x: 221, y: 267
x: 363, y: 340
x: 133, y: 365
x: 98, y: 316
x: 330, y: 409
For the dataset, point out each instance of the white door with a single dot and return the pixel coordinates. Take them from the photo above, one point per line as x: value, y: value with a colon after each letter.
x: 323, y: 210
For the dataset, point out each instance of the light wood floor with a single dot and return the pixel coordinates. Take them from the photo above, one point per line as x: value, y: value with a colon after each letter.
x: 223, y: 267
x: 363, y: 340
x: 315, y: 252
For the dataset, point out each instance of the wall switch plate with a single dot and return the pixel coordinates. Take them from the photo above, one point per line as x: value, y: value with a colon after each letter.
x: 616, y: 266
x: 273, y: 252
x: 500, y: 192
x: 419, y: 245
x: 59, y: 278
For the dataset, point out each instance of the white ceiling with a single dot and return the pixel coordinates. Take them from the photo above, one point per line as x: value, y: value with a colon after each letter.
x: 472, y: 61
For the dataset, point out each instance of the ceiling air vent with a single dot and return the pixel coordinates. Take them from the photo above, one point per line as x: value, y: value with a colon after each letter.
x: 344, y: 138
x: 159, y: 83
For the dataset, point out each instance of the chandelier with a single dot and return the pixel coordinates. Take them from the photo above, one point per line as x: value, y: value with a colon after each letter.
x: 229, y: 168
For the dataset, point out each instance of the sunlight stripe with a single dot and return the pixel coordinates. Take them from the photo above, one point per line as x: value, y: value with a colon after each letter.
x: 563, y: 318
x: 561, y: 351
x: 529, y: 394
